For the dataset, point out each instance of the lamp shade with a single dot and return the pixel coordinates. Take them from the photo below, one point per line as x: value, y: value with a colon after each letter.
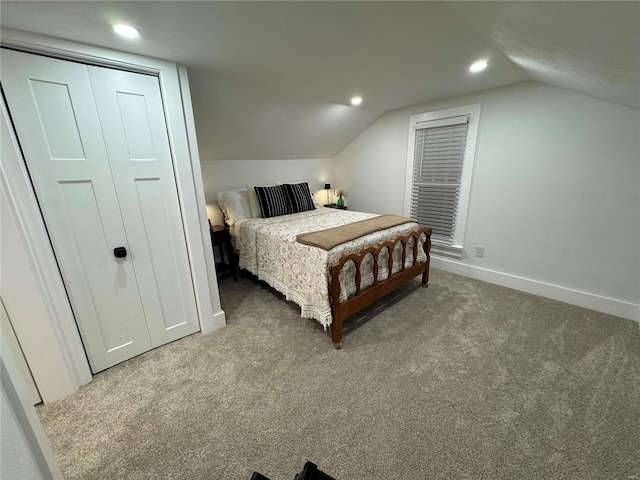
x: 327, y: 186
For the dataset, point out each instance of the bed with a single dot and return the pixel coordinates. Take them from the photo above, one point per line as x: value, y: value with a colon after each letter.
x: 329, y: 283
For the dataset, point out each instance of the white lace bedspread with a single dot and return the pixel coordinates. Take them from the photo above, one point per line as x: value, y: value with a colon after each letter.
x: 268, y: 248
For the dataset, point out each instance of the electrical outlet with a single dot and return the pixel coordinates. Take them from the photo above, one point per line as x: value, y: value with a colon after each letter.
x: 479, y: 251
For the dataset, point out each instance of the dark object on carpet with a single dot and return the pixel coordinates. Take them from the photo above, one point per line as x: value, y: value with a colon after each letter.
x: 309, y: 472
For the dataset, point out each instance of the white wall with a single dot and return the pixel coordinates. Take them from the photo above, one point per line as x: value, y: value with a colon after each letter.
x: 222, y: 175
x: 555, y: 197
x: 25, y: 452
x: 16, y: 460
x: 30, y: 318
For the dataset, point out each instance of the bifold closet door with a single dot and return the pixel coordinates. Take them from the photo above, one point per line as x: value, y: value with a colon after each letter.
x: 123, y: 305
x: 135, y: 132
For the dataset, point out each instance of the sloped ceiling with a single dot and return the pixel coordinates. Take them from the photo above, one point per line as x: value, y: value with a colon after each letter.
x: 588, y: 47
x: 272, y: 80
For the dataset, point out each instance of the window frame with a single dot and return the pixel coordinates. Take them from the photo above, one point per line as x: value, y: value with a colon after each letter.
x: 455, y: 250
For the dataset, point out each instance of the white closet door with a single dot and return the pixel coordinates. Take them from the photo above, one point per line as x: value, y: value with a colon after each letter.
x: 97, y: 148
x: 53, y: 109
x: 133, y: 124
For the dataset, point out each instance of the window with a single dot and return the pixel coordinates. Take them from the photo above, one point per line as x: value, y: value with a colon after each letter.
x: 440, y: 161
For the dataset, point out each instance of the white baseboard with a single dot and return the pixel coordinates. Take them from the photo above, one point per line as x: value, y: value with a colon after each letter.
x: 218, y: 320
x: 592, y: 301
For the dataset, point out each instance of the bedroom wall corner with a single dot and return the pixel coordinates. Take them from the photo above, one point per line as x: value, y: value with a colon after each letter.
x: 554, y: 198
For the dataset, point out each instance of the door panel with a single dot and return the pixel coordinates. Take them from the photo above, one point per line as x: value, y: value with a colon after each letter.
x: 116, y: 278
x: 134, y: 116
x: 164, y: 268
x: 55, y: 112
x: 135, y: 132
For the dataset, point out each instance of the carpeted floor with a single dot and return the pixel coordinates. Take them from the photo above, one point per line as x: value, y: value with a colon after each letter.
x: 460, y: 380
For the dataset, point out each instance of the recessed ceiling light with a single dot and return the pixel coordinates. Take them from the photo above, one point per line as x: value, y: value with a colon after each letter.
x: 126, y: 31
x: 356, y: 101
x: 478, y: 66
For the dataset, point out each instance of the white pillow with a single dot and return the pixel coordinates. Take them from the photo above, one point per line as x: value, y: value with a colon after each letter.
x: 253, y: 199
x: 234, y: 205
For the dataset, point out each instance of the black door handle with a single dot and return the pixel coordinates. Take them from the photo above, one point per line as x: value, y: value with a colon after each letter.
x: 120, y: 252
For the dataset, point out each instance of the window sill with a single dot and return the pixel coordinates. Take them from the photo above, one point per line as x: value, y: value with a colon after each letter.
x: 441, y: 249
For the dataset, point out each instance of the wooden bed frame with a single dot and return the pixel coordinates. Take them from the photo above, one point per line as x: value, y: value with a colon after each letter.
x: 343, y: 310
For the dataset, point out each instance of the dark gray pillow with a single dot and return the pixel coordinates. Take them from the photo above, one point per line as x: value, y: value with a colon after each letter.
x: 299, y: 197
x: 273, y: 201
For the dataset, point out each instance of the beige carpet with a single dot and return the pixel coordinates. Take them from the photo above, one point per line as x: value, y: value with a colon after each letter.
x: 460, y: 380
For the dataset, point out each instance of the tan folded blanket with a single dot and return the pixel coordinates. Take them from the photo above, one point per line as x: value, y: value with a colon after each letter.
x: 331, y: 237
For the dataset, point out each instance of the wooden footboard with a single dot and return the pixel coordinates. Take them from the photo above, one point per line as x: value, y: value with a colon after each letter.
x: 343, y: 310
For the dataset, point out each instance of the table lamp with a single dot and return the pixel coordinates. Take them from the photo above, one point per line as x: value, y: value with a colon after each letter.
x: 327, y: 187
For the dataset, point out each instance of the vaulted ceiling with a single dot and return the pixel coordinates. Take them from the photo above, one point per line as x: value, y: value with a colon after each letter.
x: 272, y: 80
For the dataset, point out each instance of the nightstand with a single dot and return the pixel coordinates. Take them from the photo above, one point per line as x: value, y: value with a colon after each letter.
x: 221, y: 238
x: 333, y: 205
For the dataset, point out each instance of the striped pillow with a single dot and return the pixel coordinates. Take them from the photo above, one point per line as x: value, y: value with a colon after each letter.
x: 299, y: 197
x: 273, y: 201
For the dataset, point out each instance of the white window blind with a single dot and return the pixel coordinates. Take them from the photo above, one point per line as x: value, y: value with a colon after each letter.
x: 437, y: 172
